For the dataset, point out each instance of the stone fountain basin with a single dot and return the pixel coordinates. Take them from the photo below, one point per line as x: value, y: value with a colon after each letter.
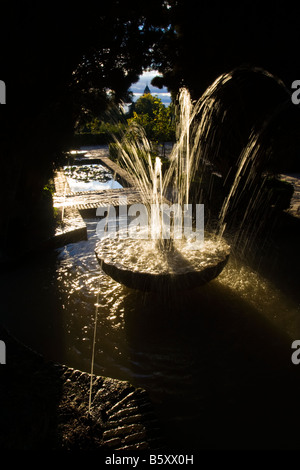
x: 139, y: 264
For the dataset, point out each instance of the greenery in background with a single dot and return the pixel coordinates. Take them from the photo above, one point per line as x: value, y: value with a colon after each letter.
x: 97, y: 126
x: 157, y: 119
x: 97, y: 132
x: 158, y: 124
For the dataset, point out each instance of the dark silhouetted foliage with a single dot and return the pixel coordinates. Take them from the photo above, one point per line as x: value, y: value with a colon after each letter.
x: 206, y: 39
x: 61, y: 60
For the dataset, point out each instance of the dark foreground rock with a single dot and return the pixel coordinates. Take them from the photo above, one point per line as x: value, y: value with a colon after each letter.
x: 44, y: 405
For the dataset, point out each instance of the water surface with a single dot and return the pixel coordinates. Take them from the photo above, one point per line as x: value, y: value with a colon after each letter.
x: 90, y: 177
x: 215, y: 360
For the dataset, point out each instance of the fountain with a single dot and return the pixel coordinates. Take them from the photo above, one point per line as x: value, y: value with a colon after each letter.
x: 171, y: 251
x: 154, y: 267
x: 218, y: 354
x: 215, y: 141
x: 215, y: 135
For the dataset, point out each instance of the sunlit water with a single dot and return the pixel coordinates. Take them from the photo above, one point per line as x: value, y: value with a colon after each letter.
x: 79, y: 278
x: 142, y: 256
x: 92, y: 177
x: 182, y: 349
x: 214, y: 359
x: 191, y: 351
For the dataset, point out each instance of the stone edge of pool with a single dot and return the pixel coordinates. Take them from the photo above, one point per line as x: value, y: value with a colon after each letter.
x: 73, y: 227
x: 46, y: 407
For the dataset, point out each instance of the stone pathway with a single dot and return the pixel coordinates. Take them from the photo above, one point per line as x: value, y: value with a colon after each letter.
x: 69, y: 204
x: 64, y: 197
x: 71, y: 226
x: 93, y: 199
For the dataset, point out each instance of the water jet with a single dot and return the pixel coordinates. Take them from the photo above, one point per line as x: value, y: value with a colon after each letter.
x: 163, y: 260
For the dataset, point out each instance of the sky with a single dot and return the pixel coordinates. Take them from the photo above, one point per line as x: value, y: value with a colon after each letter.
x: 145, y: 79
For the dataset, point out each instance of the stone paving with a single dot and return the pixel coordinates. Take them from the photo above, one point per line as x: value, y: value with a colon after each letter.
x: 69, y: 204
x: 64, y: 197
x: 93, y: 199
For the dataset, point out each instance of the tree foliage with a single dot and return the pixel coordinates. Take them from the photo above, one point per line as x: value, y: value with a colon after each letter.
x: 155, y: 118
x: 206, y: 39
x: 62, y: 61
x: 65, y: 62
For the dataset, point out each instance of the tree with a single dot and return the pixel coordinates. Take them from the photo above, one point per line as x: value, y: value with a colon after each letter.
x: 163, y: 126
x: 148, y: 104
x: 155, y: 118
x: 62, y: 60
x: 206, y: 39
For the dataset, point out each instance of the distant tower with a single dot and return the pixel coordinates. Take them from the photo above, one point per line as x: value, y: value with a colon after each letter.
x: 147, y: 91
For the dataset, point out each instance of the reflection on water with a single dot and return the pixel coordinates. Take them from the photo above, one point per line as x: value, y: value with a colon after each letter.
x: 92, y: 177
x: 215, y: 360
x: 196, y: 353
x: 263, y: 296
x: 79, y: 278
